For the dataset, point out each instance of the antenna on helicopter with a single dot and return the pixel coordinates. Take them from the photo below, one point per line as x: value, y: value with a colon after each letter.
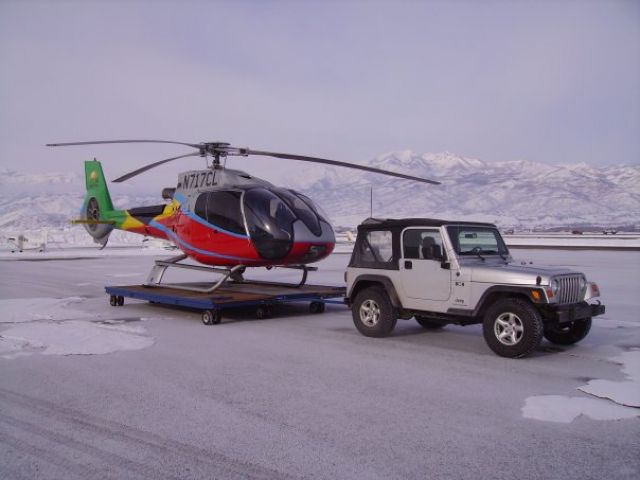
x: 218, y: 150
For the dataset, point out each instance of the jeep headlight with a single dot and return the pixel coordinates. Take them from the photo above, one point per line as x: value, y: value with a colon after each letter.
x: 582, y: 283
x: 555, y: 286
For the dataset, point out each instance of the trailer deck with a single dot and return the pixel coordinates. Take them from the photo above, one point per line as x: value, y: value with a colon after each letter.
x: 261, y: 295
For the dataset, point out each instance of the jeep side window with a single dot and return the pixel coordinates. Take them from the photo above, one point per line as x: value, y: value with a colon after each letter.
x: 377, y: 247
x: 422, y: 244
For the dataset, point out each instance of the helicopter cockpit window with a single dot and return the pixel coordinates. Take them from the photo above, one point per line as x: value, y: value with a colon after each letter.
x: 224, y: 211
x: 316, y: 208
x: 302, y: 210
x: 270, y: 223
x: 200, y: 208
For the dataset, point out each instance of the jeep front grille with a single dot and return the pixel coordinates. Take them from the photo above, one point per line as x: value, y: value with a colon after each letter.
x: 570, y: 291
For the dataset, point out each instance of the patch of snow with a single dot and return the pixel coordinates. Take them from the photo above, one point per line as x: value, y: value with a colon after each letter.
x: 74, y: 337
x: 17, y: 310
x: 561, y: 409
x: 626, y: 392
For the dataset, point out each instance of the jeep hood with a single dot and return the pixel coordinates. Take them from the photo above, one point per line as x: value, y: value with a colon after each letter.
x: 514, y: 273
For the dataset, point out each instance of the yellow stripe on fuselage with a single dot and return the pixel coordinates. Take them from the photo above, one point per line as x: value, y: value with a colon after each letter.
x: 169, y: 210
x: 130, y: 223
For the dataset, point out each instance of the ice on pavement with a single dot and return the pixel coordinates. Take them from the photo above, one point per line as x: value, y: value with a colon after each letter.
x: 562, y: 409
x: 60, y: 327
x: 17, y: 310
x: 73, y: 337
x: 626, y: 392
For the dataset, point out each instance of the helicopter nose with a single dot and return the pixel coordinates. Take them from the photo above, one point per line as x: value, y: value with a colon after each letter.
x: 315, y: 252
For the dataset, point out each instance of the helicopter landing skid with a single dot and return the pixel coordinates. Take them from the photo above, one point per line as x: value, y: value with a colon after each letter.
x: 157, y: 272
x: 305, y: 271
x: 233, y: 274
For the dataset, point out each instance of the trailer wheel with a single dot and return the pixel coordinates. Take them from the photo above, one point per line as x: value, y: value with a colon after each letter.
x: 316, y: 307
x: 120, y: 300
x: 512, y: 328
x: 113, y: 300
x: 569, y: 333
x: 262, y: 313
x: 211, y: 317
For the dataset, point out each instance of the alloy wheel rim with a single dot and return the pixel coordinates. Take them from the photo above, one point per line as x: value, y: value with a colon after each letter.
x: 508, y: 329
x: 370, y: 313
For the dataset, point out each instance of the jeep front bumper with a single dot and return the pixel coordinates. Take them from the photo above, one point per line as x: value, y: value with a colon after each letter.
x: 576, y: 311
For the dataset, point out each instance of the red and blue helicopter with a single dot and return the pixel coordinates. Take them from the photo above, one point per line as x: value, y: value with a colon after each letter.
x: 218, y: 216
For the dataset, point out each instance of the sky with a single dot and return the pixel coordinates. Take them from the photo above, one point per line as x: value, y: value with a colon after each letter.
x: 545, y: 81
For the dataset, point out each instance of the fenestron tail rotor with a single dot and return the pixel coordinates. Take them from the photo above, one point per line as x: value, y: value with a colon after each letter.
x: 218, y: 150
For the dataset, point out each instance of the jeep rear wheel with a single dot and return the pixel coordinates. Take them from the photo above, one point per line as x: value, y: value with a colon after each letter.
x: 512, y: 328
x: 373, y: 314
x: 567, y: 333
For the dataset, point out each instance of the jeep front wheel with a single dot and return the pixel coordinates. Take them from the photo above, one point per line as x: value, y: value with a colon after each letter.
x: 567, y: 333
x: 373, y: 314
x: 512, y: 328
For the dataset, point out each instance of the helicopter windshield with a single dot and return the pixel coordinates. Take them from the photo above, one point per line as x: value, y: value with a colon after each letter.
x: 270, y: 223
x: 303, y: 211
x: 315, y: 207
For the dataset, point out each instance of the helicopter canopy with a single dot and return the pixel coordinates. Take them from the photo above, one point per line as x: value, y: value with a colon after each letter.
x: 266, y: 216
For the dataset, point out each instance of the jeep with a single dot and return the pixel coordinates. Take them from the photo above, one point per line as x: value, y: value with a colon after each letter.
x: 442, y: 272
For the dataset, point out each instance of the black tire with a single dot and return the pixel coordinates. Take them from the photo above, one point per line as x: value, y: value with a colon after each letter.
x: 113, y: 300
x: 512, y: 328
x: 208, y: 317
x: 373, y: 314
x: 567, y: 333
x: 316, y: 307
x: 120, y: 300
x: 262, y: 313
x: 428, y: 324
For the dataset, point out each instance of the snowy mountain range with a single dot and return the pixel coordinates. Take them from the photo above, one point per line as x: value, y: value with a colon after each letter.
x: 517, y: 194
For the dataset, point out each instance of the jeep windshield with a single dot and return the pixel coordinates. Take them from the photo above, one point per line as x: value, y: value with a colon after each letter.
x: 476, y: 241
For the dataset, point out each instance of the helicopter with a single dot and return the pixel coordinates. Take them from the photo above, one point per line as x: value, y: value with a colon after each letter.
x: 225, y: 219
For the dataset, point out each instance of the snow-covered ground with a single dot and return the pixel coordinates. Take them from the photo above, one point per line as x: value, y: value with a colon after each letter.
x: 88, y: 390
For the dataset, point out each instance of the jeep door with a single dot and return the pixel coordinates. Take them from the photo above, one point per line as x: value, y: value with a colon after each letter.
x: 423, y: 277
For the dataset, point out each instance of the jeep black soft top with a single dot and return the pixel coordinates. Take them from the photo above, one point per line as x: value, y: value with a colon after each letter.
x: 401, y: 223
x: 395, y: 226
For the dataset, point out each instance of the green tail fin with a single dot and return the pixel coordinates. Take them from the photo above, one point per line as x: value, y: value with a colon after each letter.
x: 97, y: 206
x: 97, y: 186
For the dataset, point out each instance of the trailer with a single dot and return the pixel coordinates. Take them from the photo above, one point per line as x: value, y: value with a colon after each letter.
x: 262, y: 296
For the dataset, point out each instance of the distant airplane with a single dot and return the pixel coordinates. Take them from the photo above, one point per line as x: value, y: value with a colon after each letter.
x: 22, y: 243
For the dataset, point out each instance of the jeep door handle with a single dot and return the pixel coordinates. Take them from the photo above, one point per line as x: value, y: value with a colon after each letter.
x: 408, y: 265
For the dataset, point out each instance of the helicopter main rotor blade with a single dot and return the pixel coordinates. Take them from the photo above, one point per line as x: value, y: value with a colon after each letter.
x: 336, y: 163
x: 150, y: 166
x: 100, y: 142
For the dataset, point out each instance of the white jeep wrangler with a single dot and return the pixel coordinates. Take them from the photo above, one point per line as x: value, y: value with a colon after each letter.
x: 443, y: 272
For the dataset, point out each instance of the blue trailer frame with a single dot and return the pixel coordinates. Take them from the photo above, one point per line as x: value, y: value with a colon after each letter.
x: 263, y: 296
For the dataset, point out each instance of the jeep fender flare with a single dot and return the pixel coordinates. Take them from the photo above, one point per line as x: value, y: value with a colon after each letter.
x: 500, y: 291
x: 364, y: 281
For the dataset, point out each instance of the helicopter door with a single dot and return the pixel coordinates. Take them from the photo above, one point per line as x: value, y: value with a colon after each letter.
x: 225, y: 213
x: 270, y: 223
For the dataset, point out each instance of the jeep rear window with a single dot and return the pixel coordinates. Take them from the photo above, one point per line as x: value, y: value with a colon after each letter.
x: 473, y: 240
x: 377, y: 247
